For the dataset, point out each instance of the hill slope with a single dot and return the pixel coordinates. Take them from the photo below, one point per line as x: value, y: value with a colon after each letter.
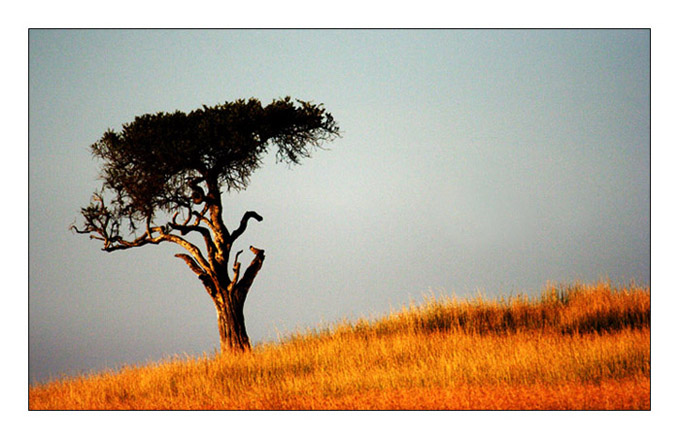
x: 577, y: 347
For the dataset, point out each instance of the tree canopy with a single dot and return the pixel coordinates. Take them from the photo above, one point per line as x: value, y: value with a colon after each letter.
x: 155, y: 162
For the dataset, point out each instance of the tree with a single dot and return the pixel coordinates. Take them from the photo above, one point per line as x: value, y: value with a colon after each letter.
x: 163, y: 176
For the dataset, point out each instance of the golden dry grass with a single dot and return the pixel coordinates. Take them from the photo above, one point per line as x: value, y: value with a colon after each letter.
x: 576, y: 347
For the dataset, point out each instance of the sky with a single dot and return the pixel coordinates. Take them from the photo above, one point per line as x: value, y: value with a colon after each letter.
x: 492, y: 161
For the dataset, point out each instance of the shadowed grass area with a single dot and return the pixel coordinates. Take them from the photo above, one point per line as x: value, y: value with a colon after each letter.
x: 568, y: 309
x: 575, y: 347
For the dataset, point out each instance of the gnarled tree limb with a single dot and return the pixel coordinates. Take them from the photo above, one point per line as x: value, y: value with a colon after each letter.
x: 243, y: 286
x: 237, y: 267
x: 193, y: 265
x: 244, y: 223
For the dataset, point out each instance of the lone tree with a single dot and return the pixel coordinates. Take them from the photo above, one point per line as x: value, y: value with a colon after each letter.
x: 163, y: 177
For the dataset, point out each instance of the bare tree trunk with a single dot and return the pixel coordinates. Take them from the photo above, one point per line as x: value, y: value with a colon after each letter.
x: 229, y: 303
x: 232, y: 327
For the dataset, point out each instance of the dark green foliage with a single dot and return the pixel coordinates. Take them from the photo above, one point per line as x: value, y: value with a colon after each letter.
x: 150, y: 164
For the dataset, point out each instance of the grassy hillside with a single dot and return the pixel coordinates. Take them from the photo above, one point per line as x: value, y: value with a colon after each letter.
x: 576, y: 347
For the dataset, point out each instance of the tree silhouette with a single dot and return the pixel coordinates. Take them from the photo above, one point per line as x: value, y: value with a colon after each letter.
x: 163, y: 176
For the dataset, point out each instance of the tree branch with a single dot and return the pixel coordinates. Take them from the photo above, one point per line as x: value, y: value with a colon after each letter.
x: 185, y: 229
x: 193, y: 265
x: 193, y: 249
x: 200, y: 217
x: 202, y: 275
x: 115, y: 243
x: 244, y: 223
x: 237, y: 267
x: 243, y: 286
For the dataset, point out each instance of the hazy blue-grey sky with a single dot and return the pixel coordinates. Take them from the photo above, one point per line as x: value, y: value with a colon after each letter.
x: 470, y: 160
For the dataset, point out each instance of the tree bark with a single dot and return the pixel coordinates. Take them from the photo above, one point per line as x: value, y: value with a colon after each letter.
x: 232, y: 327
x: 229, y: 302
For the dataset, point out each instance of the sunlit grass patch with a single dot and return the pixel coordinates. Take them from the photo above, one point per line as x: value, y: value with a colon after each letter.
x: 574, y: 347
